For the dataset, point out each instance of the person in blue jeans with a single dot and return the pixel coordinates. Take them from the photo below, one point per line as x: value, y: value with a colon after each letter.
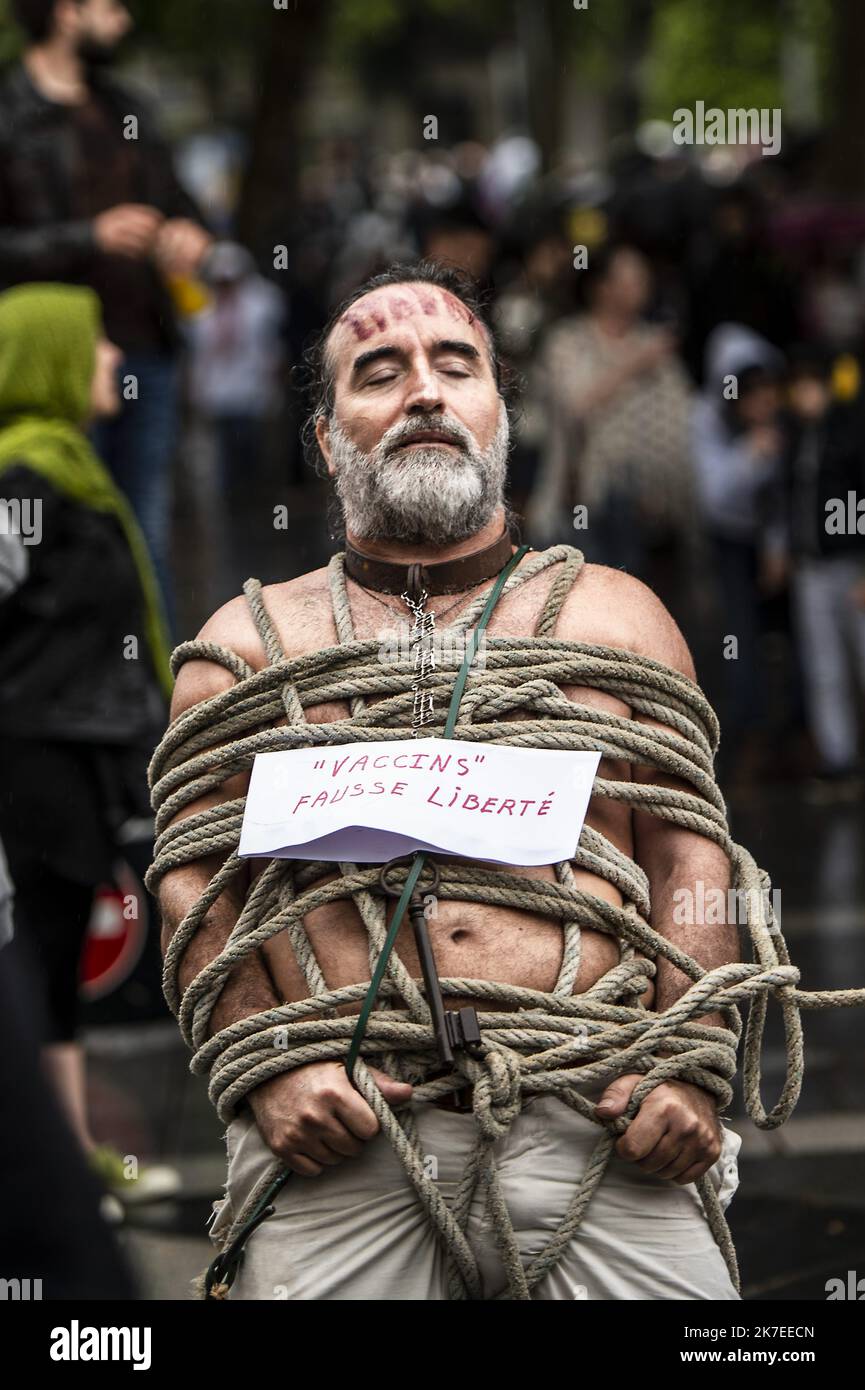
x: 737, y: 449
x: 138, y: 446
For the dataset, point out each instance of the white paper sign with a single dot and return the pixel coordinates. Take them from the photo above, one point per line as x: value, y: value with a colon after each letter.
x: 369, y: 802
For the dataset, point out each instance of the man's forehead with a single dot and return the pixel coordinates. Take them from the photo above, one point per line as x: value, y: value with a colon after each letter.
x: 429, y: 309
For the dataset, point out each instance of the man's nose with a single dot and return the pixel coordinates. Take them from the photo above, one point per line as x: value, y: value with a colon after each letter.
x: 424, y: 393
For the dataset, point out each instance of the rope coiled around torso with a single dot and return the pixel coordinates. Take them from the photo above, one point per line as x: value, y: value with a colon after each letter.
x: 532, y: 1042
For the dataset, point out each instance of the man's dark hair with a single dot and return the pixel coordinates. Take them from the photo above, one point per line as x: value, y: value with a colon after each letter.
x: 36, y: 17
x: 317, y: 368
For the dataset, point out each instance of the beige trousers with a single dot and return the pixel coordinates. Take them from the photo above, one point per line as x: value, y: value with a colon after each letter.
x: 358, y: 1231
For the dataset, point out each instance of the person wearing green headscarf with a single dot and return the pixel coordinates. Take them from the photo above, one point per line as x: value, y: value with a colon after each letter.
x: 49, y: 345
x: 84, y: 671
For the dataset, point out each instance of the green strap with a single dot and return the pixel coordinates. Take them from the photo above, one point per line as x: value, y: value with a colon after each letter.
x: 412, y: 877
x: 224, y: 1268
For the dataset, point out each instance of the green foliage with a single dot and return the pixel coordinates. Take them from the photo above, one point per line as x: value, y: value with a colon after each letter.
x: 593, y: 38
x: 10, y: 36
x: 725, y: 54
x: 359, y: 27
x: 201, y: 30
x: 193, y: 31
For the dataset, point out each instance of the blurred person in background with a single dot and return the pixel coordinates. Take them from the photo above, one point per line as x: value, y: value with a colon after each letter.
x: 88, y: 199
x: 5, y: 899
x: 618, y: 402
x: 237, y: 356
x: 738, y: 278
x: 538, y: 294
x: 13, y: 568
x: 53, y: 1226
x: 455, y: 234
x: 822, y: 467
x: 833, y: 307
x: 83, y: 655
x: 737, y: 447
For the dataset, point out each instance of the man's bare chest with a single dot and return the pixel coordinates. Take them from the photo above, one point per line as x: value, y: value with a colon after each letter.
x: 308, y: 626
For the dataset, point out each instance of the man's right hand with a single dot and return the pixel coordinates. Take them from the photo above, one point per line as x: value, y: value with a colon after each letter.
x: 127, y: 230
x: 313, y: 1118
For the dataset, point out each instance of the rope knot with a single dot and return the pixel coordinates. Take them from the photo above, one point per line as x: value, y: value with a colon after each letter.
x: 497, y: 1091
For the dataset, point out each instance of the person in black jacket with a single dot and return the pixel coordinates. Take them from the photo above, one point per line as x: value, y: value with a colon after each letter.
x: 88, y: 195
x: 83, y: 652
x: 821, y: 527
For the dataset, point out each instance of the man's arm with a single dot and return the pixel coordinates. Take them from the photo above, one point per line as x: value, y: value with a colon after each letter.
x: 675, y: 859
x: 310, y: 1117
x: 248, y: 989
x: 675, y: 1133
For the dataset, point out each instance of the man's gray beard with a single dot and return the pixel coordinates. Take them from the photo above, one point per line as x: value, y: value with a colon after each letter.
x: 431, y: 495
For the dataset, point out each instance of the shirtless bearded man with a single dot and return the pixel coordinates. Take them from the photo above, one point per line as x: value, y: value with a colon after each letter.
x: 412, y: 426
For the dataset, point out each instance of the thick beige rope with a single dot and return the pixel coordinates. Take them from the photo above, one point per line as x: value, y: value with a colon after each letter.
x: 532, y: 1043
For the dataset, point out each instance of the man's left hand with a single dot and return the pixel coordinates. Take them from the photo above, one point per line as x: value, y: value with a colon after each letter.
x: 675, y: 1133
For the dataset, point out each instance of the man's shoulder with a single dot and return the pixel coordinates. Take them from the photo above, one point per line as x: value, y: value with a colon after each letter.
x: 123, y: 97
x: 233, y: 627
x: 608, y: 607
x: 22, y: 104
x: 287, y: 603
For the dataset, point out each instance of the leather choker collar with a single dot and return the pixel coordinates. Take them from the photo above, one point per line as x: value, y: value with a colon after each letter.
x: 445, y: 577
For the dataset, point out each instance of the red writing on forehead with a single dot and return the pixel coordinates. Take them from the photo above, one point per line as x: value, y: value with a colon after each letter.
x: 375, y: 312
x: 357, y: 324
x: 364, y: 324
x: 455, y: 308
x: 437, y: 301
x: 401, y: 308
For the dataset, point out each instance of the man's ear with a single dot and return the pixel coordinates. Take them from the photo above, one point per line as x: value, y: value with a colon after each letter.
x: 322, y: 434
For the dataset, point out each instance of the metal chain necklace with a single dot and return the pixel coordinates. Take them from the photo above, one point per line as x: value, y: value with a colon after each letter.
x: 422, y: 636
x: 463, y: 598
x: 422, y: 645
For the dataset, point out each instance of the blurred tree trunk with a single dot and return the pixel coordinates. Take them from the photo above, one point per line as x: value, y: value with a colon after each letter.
x: 625, y: 100
x: 845, y: 155
x: 552, y: 33
x: 288, y: 56
x: 545, y: 71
